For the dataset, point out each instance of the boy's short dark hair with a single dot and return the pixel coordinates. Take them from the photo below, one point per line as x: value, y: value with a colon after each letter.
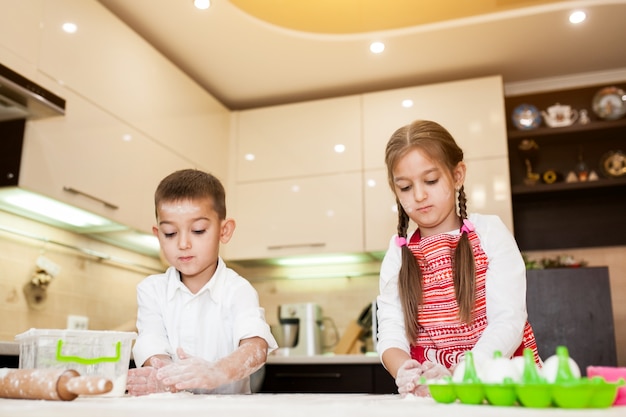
x: 192, y: 184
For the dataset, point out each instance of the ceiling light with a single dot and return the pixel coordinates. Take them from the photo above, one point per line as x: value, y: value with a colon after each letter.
x: 319, y: 260
x: 577, y: 17
x: 339, y: 148
x: 407, y: 103
x: 202, y: 4
x: 377, y: 47
x: 70, y: 27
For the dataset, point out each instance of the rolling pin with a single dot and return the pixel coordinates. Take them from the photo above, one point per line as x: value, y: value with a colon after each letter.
x: 50, y: 384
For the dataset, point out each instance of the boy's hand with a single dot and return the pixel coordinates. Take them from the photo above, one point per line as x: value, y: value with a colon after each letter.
x: 191, y: 372
x: 143, y: 381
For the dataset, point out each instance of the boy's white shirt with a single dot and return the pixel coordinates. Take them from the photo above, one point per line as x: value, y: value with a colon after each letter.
x: 209, y: 324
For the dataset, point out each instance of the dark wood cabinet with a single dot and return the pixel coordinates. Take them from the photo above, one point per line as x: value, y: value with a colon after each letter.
x: 572, y: 307
x: 561, y: 214
x: 327, y: 378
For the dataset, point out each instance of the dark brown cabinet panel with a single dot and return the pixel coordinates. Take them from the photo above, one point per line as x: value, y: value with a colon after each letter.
x: 327, y: 378
x: 572, y: 307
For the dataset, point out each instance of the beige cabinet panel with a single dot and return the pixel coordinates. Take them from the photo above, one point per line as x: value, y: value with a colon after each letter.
x: 488, y: 189
x: 20, y: 26
x: 380, y: 211
x: 94, y: 153
x: 472, y: 110
x: 299, y: 139
x: 486, y: 186
x: 117, y: 70
x: 294, y: 217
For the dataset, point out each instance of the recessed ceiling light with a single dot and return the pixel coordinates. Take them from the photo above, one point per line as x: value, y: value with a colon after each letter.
x: 202, y: 4
x: 577, y: 17
x: 407, y: 103
x: 70, y: 27
x: 340, y: 148
x: 377, y: 47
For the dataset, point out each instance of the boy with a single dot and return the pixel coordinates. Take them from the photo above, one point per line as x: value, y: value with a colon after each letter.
x: 200, y: 324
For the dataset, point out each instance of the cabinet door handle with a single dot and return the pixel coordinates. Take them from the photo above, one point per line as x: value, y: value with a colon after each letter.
x: 296, y: 245
x: 334, y: 375
x: 99, y: 200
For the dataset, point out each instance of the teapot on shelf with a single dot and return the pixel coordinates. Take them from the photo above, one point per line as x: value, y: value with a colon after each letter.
x: 559, y: 115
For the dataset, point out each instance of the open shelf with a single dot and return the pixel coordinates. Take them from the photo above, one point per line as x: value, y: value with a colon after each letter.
x: 567, y: 214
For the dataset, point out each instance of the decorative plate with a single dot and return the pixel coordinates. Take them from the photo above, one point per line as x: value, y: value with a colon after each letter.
x: 526, y: 117
x: 609, y: 103
x: 613, y: 164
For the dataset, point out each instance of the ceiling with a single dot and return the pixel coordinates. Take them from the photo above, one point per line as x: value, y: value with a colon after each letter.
x: 252, y: 53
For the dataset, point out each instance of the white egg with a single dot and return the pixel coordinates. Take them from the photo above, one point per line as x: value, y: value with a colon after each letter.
x: 499, y: 369
x: 551, y: 368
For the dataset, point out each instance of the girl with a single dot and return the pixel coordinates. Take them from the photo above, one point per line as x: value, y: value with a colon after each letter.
x: 457, y: 282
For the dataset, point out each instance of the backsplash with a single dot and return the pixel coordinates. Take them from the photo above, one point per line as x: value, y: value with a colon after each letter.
x: 85, y: 285
x: 105, y: 291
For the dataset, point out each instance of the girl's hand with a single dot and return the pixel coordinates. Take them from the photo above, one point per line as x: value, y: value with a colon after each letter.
x: 433, y: 371
x: 408, y: 376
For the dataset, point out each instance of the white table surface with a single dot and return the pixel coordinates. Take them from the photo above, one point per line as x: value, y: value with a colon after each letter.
x: 277, y: 405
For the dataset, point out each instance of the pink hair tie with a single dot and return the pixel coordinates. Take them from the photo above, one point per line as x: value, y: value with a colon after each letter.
x: 467, y: 226
x: 400, y: 241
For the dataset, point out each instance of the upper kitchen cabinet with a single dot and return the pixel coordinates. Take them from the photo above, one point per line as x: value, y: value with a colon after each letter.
x: 91, y: 160
x: 299, y: 216
x: 294, y: 140
x: 380, y: 210
x: 108, y: 64
x: 472, y: 111
x: 19, y: 35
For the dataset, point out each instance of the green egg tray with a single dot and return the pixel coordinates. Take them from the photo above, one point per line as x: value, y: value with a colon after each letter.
x: 579, y: 393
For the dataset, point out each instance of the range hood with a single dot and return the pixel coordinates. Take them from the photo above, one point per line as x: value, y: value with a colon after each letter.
x: 21, y: 98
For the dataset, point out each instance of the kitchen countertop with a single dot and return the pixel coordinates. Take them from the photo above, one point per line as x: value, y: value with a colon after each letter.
x: 277, y: 405
x: 9, y: 348
x: 13, y: 349
x: 324, y: 359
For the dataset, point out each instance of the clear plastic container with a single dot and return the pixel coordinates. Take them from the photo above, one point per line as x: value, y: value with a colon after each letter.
x: 89, y: 352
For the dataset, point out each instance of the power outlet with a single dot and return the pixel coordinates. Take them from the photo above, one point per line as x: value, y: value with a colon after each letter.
x: 77, y: 322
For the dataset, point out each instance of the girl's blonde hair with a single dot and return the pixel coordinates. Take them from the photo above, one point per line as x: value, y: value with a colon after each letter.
x: 436, y: 142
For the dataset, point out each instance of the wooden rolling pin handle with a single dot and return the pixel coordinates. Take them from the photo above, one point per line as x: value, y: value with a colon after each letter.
x: 62, y: 392
x: 50, y: 384
x: 88, y: 385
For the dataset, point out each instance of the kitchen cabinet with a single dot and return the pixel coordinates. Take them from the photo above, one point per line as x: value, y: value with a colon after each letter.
x: 380, y: 211
x: 327, y: 378
x: 560, y: 214
x: 302, y: 139
x: 308, y: 215
x: 471, y: 110
x: 298, y: 180
x: 90, y: 151
x: 19, y: 35
x: 114, y: 68
x: 281, y: 147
